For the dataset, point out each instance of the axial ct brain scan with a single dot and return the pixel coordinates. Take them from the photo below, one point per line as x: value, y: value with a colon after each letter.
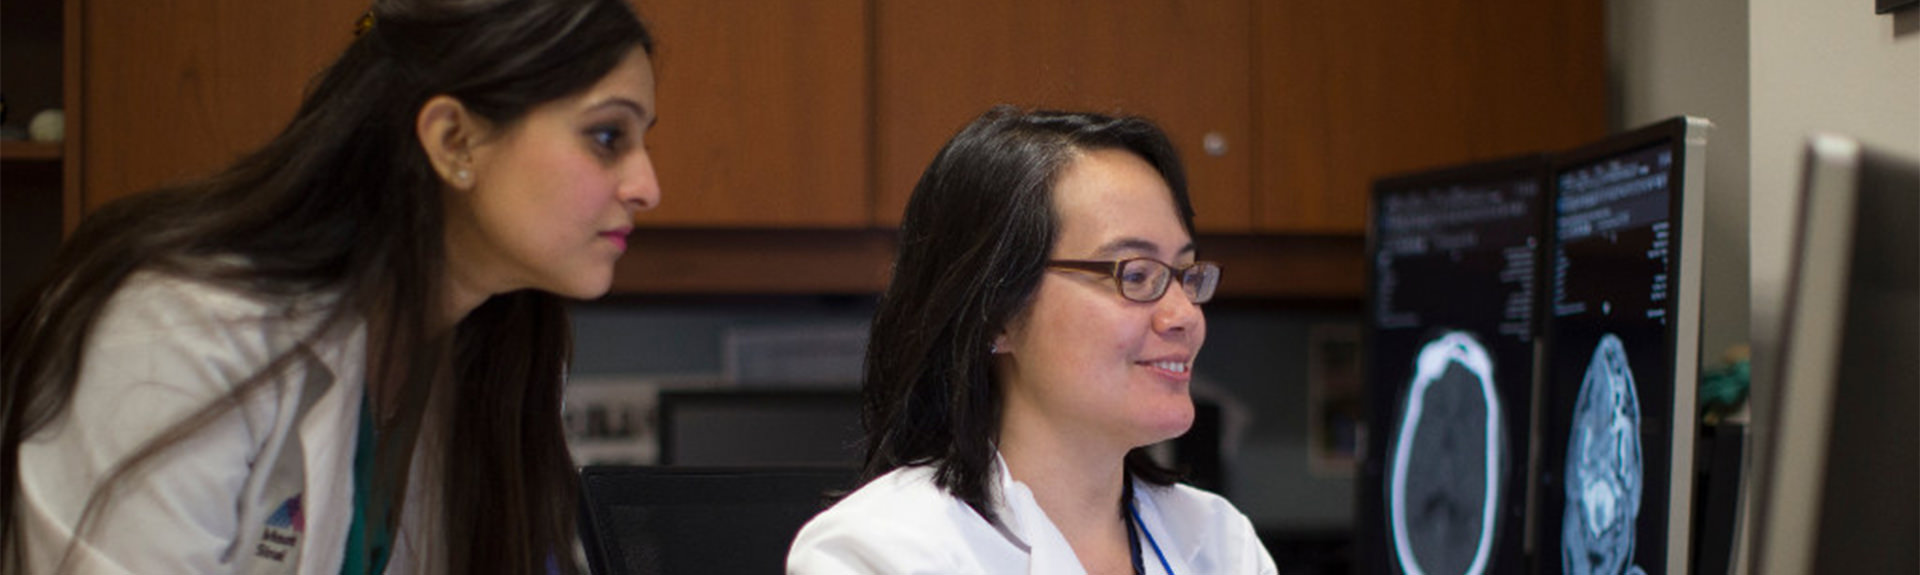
x: 1451, y: 334
x: 1447, y: 461
x: 1603, y: 484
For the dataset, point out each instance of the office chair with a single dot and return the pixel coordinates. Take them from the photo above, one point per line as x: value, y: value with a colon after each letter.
x: 641, y: 520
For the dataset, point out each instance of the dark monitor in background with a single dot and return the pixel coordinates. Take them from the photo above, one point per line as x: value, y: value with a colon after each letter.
x: 761, y: 427
x: 1621, y: 328
x: 640, y: 520
x: 1449, y: 346
x: 1838, y: 481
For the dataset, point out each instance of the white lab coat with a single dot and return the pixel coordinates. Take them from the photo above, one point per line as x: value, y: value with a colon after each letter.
x: 265, y: 488
x: 901, y: 523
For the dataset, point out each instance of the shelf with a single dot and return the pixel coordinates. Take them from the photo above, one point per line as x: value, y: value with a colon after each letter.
x: 785, y: 262
x: 23, y: 151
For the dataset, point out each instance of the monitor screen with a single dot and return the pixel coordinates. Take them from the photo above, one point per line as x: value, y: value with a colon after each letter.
x: 1621, y: 332
x: 1840, y: 454
x: 760, y: 427
x: 1449, y: 346
x: 643, y: 520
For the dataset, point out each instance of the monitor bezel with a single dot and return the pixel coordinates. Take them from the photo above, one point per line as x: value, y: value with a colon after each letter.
x: 1687, y: 205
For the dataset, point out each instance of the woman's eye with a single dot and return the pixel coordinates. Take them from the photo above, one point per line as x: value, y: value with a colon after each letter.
x: 608, y: 138
x: 1134, y: 277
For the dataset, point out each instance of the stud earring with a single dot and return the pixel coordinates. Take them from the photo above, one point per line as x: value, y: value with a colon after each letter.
x: 462, y: 175
x: 993, y: 348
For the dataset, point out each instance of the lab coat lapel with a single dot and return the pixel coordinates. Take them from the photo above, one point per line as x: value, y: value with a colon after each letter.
x: 1171, y: 533
x: 1048, y: 552
x: 328, y: 434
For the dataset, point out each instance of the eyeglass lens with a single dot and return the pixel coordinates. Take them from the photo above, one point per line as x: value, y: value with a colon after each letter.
x: 1146, y: 280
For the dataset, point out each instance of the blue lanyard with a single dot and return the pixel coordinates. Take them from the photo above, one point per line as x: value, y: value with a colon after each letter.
x: 1133, y: 541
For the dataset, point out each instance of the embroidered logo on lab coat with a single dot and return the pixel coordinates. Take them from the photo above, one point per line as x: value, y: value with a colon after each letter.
x: 284, y: 529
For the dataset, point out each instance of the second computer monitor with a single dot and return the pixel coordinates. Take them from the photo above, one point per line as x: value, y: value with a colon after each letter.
x: 1621, y: 327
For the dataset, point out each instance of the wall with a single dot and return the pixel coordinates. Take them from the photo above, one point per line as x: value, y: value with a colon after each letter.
x: 1819, y: 66
x: 1256, y: 354
x: 1816, y: 66
x: 1690, y: 58
x: 1768, y: 72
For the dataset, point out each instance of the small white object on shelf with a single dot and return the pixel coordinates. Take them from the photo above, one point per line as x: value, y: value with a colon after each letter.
x: 48, y: 126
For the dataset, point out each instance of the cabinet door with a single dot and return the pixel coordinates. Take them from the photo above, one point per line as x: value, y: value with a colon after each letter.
x: 764, y: 113
x: 1185, y: 65
x: 177, y: 90
x: 1347, y: 92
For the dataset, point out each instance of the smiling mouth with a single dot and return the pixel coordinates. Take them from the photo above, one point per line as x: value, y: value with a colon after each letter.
x: 1180, y: 367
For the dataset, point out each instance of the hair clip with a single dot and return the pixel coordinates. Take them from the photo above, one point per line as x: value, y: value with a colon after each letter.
x: 364, y: 24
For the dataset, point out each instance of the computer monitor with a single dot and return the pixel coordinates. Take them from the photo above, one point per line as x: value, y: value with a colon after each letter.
x: 641, y: 520
x: 760, y: 427
x: 1449, y: 347
x: 1621, y: 332
x: 1838, y: 480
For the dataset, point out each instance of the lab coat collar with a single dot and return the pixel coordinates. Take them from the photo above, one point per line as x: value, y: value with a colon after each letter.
x: 1173, y: 533
x: 1027, y: 526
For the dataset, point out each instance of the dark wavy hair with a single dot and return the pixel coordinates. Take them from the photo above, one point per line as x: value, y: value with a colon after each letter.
x: 973, y: 245
x: 344, y: 201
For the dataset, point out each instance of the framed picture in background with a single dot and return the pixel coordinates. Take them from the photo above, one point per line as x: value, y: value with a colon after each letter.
x: 1335, y: 399
x: 615, y: 420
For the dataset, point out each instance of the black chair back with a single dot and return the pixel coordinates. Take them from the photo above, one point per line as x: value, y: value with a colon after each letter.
x: 641, y: 520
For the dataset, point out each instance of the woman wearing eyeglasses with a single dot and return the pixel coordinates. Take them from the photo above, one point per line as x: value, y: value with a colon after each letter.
x: 1040, y: 330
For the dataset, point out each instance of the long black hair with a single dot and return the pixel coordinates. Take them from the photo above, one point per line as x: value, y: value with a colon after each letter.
x: 344, y: 201
x: 973, y: 245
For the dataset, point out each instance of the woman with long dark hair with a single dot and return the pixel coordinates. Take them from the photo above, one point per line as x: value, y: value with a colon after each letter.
x: 1038, y: 333
x: 344, y: 353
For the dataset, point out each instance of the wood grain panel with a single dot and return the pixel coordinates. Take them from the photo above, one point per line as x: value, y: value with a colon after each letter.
x: 1350, y: 92
x: 764, y: 113
x: 1183, y: 64
x: 177, y: 90
x: 722, y: 262
x: 709, y: 262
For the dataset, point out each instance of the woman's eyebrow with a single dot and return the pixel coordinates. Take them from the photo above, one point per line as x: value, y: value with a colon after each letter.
x: 1135, y: 245
x: 635, y: 107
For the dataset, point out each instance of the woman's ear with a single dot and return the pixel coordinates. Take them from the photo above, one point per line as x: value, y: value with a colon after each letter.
x: 448, y: 133
x: 1012, y: 332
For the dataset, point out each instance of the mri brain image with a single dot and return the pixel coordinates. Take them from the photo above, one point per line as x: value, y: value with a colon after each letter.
x: 1444, y: 493
x: 1603, y: 483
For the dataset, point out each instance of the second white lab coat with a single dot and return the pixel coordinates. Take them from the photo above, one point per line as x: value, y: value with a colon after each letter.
x: 266, y: 488
x: 901, y: 523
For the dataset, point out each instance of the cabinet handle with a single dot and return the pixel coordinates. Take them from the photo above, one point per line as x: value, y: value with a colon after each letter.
x: 1214, y: 143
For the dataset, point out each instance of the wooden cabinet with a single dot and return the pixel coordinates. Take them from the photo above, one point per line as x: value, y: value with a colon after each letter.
x: 1347, y: 92
x: 764, y: 113
x: 763, y: 133
x: 791, y: 132
x: 939, y: 64
x: 179, y: 89
x: 1312, y: 100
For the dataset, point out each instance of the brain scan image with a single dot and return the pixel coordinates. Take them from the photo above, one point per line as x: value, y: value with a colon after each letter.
x: 1603, y: 484
x: 1444, y: 491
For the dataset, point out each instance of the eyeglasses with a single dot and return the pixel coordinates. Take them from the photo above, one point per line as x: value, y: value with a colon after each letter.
x: 1145, y: 280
